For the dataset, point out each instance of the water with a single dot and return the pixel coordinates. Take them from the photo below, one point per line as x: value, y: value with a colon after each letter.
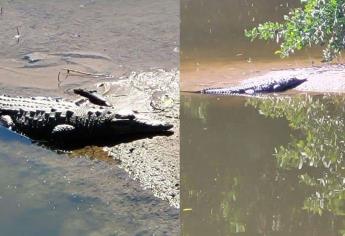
x: 262, y: 166
x: 44, y: 193
x: 214, y: 30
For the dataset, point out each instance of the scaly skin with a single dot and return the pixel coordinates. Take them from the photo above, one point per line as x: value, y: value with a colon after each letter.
x: 266, y: 86
x: 55, y: 118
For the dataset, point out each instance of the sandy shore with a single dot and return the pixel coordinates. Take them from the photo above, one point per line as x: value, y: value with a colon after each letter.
x: 154, y: 162
x: 321, y: 78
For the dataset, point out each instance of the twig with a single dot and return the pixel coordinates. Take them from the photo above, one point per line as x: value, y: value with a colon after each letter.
x: 18, y: 35
x: 59, y: 82
x: 0, y: 11
x: 67, y: 74
x: 86, y: 73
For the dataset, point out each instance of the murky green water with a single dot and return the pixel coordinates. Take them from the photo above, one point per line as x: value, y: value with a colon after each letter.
x: 43, y: 193
x: 214, y: 30
x: 263, y: 166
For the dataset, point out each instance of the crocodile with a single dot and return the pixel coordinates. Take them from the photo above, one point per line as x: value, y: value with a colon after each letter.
x: 60, y: 120
x: 257, y: 87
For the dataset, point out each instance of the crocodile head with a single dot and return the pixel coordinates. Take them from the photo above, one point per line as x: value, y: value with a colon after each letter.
x: 288, y: 83
x: 128, y: 122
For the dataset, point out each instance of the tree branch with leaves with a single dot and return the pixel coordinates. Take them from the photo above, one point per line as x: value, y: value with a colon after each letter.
x: 316, y: 22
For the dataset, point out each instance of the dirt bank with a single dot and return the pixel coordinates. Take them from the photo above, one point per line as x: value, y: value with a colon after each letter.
x: 154, y: 161
x: 321, y: 78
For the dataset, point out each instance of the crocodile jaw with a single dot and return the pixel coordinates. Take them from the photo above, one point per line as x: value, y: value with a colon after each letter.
x: 139, y: 125
x: 288, y: 84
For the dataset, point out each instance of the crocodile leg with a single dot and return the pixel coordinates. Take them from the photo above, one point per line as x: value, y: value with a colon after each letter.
x: 80, y: 101
x: 7, y: 121
x: 62, y: 129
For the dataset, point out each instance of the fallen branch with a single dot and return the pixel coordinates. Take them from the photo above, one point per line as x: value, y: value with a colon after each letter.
x: 87, y: 73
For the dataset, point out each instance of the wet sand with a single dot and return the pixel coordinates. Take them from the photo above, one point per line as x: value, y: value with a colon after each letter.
x: 129, y: 36
x: 134, y: 34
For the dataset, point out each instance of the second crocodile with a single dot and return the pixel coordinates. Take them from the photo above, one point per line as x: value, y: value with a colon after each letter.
x: 257, y: 87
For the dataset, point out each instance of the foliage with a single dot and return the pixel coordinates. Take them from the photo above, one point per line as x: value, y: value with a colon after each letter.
x: 317, y: 22
x: 303, y: 185
x: 318, y: 151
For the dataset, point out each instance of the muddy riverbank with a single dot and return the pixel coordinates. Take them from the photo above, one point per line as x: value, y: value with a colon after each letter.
x: 154, y: 161
x: 321, y: 78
